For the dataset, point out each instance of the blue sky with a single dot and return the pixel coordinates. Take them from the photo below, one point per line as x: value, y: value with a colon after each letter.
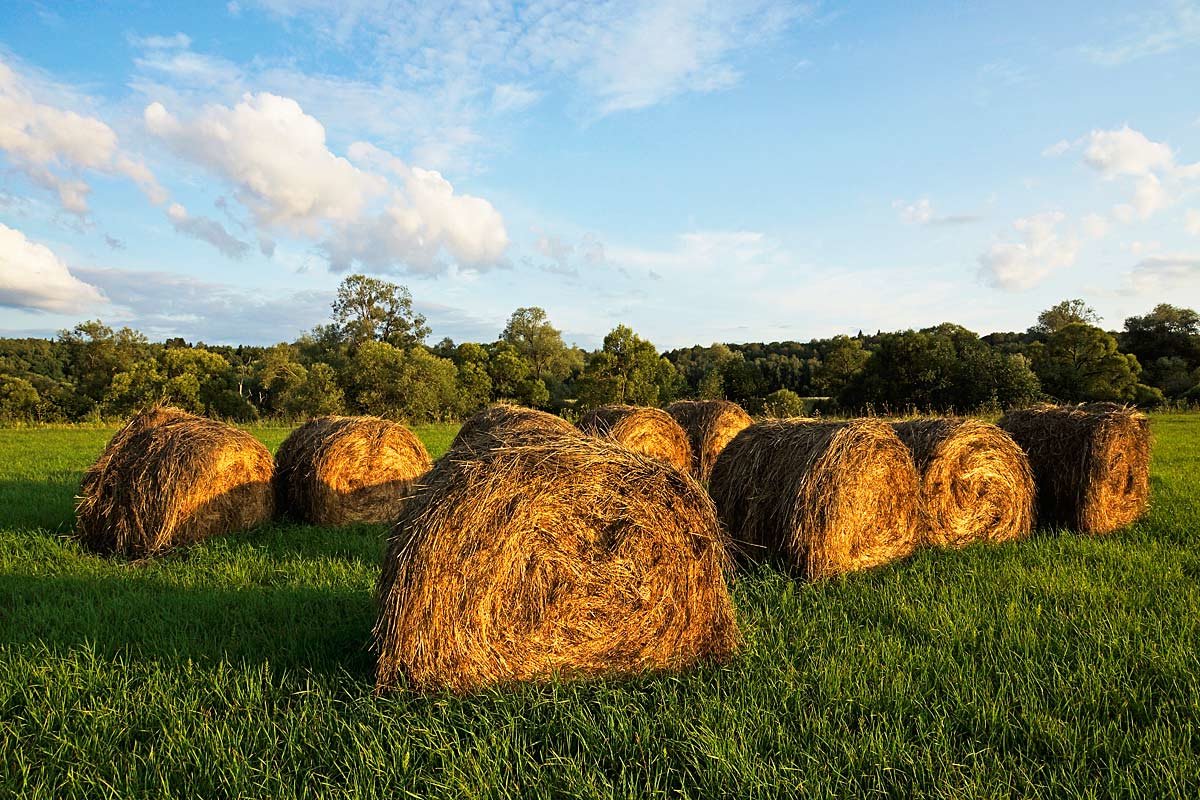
x: 702, y: 171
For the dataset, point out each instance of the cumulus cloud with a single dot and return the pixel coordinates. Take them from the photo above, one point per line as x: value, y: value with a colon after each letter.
x: 921, y: 212
x: 32, y: 277
x: 1191, y: 221
x: 1159, y: 272
x: 1125, y: 151
x: 276, y: 158
x: 1157, y: 177
x: 206, y: 230
x: 1094, y: 226
x: 1025, y: 263
x: 55, y: 146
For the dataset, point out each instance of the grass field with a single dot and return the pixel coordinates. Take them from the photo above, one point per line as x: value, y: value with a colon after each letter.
x: 1061, y: 666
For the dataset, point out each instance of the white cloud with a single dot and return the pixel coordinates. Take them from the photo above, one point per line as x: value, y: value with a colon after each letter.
x: 161, y: 42
x: 1024, y: 264
x: 54, y: 146
x: 1094, y: 226
x: 276, y: 157
x: 1149, y: 196
x: 33, y: 277
x: 921, y: 212
x: 1056, y: 149
x: 507, y: 97
x: 1125, y: 151
x: 1191, y: 221
x: 622, y: 54
x: 1160, y: 272
x: 206, y: 230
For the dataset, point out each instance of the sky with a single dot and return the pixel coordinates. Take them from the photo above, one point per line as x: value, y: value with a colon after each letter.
x: 737, y: 170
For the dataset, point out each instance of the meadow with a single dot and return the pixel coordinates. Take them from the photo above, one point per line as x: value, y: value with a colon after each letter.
x: 1063, y: 666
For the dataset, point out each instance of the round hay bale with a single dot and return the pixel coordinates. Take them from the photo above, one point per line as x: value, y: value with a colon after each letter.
x: 345, y: 470
x: 1091, y: 463
x: 826, y: 498
x: 976, y: 484
x: 572, y: 557
x: 168, y: 479
x: 649, y: 431
x: 504, y: 425
x: 710, y: 425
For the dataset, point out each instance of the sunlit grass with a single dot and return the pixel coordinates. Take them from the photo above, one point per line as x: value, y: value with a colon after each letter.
x: 1061, y: 666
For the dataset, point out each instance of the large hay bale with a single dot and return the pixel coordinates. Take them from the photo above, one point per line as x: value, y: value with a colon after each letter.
x: 1091, y: 463
x: 572, y: 557
x: 976, y: 484
x: 824, y: 497
x: 710, y: 425
x: 344, y: 470
x: 169, y: 478
x: 649, y: 431
x: 504, y: 425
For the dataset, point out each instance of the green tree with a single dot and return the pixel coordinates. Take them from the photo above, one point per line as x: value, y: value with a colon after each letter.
x: 370, y: 309
x: 712, y: 386
x: 408, y: 384
x: 1061, y: 315
x: 507, y: 370
x: 315, y: 395
x: 783, y: 403
x: 538, y: 342
x: 841, y: 359
x: 1167, y: 344
x: 19, y: 399
x: 1080, y: 362
x: 628, y: 369
x: 94, y: 353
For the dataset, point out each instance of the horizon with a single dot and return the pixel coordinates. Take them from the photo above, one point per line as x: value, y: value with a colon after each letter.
x: 760, y: 171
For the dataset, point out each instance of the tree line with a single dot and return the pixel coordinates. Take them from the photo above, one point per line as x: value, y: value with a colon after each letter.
x: 373, y: 358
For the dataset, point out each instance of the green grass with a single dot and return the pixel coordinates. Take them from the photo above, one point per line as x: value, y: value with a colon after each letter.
x: 1062, y: 666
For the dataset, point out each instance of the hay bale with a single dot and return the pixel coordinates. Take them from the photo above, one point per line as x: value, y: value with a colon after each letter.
x: 169, y: 478
x: 976, y: 484
x: 1091, y: 463
x: 504, y: 425
x: 572, y: 557
x: 345, y: 470
x: 710, y: 425
x: 649, y: 431
x: 823, y: 497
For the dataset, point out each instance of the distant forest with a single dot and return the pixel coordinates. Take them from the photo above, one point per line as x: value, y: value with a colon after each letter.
x: 373, y: 358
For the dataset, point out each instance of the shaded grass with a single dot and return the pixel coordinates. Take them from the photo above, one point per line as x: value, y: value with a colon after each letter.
x: 1061, y: 666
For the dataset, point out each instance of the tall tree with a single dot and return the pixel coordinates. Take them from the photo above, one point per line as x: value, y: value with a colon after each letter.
x: 1063, y: 314
x: 538, y: 342
x: 1081, y: 362
x: 370, y: 309
x: 628, y: 369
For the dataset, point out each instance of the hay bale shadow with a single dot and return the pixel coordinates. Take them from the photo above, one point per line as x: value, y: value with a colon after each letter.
x: 143, y: 618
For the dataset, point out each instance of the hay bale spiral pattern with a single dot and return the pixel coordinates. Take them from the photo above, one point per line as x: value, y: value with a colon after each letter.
x: 824, y: 497
x: 976, y: 484
x: 1091, y: 463
x: 346, y: 470
x: 573, y: 558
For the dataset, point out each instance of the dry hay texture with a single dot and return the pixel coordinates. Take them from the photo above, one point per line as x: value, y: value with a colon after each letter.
x: 1091, y: 463
x: 571, y: 557
x: 826, y: 498
x: 168, y: 479
x: 710, y: 425
x: 504, y: 425
x: 346, y: 470
x: 976, y: 484
x: 649, y: 431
